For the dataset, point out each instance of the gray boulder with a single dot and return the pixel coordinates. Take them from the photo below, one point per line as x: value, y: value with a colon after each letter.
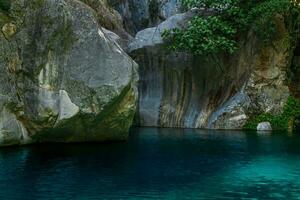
x: 62, y: 78
x: 264, y: 126
x: 153, y: 36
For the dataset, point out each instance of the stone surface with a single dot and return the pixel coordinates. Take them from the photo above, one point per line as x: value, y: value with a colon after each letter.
x: 221, y: 92
x: 141, y: 14
x: 179, y: 89
x: 152, y: 36
x: 264, y: 126
x: 266, y: 89
x: 63, y: 79
x: 108, y: 17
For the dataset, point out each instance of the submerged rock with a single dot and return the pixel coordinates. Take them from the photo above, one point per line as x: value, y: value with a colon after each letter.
x: 63, y: 79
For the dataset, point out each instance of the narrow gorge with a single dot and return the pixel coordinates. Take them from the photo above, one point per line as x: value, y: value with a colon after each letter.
x: 78, y: 71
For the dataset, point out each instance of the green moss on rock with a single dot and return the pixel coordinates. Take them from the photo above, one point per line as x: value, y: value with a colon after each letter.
x: 282, y: 121
x: 4, y: 18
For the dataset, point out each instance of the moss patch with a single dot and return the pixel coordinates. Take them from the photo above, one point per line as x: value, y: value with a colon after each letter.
x: 5, y: 5
x: 4, y: 19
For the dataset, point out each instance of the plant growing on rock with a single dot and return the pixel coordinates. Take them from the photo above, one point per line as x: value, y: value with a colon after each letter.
x: 291, y: 112
x: 231, y: 20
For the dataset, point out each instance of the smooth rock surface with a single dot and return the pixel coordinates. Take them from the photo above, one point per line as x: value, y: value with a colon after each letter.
x: 179, y: 89
x: 153, y: 36
x: 63, y: 79
x: 264, y: 126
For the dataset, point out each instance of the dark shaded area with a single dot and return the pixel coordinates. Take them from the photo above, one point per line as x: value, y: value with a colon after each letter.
x: 5, y: 5
x: 294, y: 75
x: 295, y: 72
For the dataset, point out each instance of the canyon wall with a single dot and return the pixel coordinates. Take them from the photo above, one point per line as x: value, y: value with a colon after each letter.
x: 219, y: 91
x: 66, y: 75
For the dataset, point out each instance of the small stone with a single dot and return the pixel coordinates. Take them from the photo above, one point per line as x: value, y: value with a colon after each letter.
x: 264, y: 126
x: 9, y: 30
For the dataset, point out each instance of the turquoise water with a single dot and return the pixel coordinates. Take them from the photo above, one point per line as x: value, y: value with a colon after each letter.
x: 157, y: 164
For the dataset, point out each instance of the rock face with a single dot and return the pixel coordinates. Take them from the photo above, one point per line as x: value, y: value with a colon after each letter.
x: 63, y: 79
x: 221, y: 92
x: 141, y: 14
x: 178, y: 89
x: 264, y: 126
x: 108, y: 17
x: 266, y: 89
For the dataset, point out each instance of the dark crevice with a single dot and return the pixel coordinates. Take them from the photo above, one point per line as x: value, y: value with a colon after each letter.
x: 5, y: 5
x: 295, y: 72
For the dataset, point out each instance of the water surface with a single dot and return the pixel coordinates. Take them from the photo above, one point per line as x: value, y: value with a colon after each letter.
x: 157, y: 164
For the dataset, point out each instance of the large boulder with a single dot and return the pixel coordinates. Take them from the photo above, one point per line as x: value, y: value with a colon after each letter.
x: 62, y: 78
x: 151, y: 37
x: 264, y: 126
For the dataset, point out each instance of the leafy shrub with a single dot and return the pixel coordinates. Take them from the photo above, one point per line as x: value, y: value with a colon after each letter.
x: 232, y: 19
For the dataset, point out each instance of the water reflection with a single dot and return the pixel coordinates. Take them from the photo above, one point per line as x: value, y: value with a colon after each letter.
x: 157, y: 163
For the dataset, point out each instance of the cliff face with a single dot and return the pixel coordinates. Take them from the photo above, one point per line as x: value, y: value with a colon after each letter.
x: 62, y: 78
x: 222, y: 92
x: 178, y: 89
x: 266, y: 89
x: 65, y: 78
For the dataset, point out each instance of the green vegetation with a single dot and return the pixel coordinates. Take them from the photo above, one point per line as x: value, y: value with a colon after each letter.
x: 291, y: 112
x: 229, y: 21
x: 4, y: 5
